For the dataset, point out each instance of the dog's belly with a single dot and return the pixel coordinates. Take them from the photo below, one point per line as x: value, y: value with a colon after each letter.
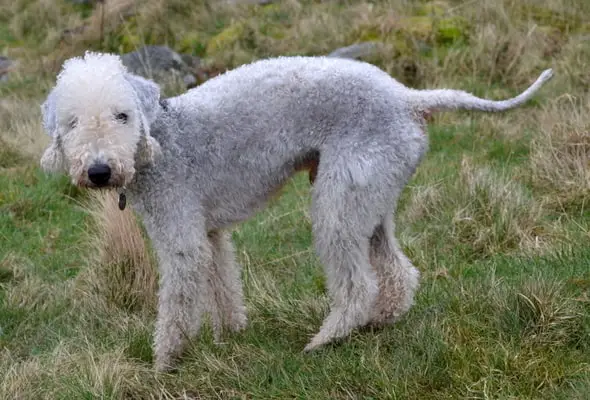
x: 238, y: 206
x: 242, y: 200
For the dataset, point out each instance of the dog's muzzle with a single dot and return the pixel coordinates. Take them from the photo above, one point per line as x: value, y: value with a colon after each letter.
x: 99, y: 174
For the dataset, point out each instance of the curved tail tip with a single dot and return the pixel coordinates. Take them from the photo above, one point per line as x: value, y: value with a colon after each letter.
x: 546, y: 75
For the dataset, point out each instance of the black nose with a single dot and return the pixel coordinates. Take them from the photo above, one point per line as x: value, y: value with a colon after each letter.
x: 99, y: 174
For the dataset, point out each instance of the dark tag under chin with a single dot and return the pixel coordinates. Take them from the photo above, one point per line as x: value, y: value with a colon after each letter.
x: 122, y: 201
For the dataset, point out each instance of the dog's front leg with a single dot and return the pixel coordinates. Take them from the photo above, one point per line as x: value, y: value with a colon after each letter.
x: 184, y: 259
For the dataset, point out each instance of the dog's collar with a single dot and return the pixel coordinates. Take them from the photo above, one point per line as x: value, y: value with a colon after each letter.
x: 164, y: 104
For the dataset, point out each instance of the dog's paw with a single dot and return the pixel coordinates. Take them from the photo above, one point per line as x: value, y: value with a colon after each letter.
x: 165, y: 367
x: 238, y: 323
x: 315, y: 344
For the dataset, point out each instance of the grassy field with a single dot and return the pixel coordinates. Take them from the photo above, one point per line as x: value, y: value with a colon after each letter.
x: 497, y: 218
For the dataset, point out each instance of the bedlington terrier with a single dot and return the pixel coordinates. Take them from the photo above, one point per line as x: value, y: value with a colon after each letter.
x: 194, y: 165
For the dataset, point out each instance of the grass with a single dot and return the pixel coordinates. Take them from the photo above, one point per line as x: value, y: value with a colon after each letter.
x: 497, y: 217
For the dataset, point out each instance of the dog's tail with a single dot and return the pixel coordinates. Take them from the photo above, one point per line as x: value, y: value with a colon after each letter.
x: 446, y: 99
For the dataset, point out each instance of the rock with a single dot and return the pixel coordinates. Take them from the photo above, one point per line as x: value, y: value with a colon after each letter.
x: 161, y: 63
x: 6, y: 65
x: 192, y: 62
x: 151, y: 59
x: 189, y: 80
x: 355, y: 51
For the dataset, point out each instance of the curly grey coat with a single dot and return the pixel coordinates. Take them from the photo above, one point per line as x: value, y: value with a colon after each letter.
x: 196, y: 164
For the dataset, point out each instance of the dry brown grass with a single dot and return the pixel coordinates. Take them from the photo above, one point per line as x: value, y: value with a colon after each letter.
x: 560, y: 157
x: 548, y: 317
x: 499, y: 215
x: 123, y: 271
x: 62, y: 32
x: 502, y: 42
x: 483, y: 210
x: 89, y: 372
x: 20, y: 126
x: 29, y: 291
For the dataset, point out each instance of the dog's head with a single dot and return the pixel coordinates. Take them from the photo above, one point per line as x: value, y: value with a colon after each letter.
x: 98, y: 116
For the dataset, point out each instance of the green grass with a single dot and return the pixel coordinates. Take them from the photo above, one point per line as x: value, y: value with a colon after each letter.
x: 40, y: 234
x: 504, y: 326
x: 507, y: 326
x: 39, y: 216
x: 497, y: 219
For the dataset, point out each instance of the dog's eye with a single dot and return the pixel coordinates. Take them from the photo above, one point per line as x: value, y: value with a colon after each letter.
x: 73, y: 123
x: 122, y: 118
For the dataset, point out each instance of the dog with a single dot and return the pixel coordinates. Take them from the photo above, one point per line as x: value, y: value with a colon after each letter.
x: 195, y: 165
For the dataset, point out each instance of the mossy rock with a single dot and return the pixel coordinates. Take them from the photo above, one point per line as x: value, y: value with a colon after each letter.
x: 129, y: 42
x: 403, y: 46
x: 452, y: 30
x: 441, y: 31
x: 272, y: 30
x: 419, y: 27
x: 365, y: 33
x: 192, y: 43
x: 399, y: 40
x: 226, y: 38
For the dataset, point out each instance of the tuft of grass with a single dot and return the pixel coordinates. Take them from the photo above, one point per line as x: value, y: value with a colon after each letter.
x: 20, y: 130
x: 560, y: 159
x: 123, y: 271
x: 544, y: 316
x: 497, y: 215
x: 9, y: 157
x: 483, y: 212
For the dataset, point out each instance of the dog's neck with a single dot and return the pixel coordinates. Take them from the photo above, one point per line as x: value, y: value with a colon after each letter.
x: 163, y: 105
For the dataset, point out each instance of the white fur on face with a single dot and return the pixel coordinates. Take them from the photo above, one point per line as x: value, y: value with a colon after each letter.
x: 98, y: 118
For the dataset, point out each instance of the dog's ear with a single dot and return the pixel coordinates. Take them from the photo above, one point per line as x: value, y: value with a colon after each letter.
x: 148, y: 151
x: 148, y: 95
x: 53, y: 159
x: 49, y: 113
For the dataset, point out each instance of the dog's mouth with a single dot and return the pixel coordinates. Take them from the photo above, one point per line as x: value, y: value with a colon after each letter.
x: 101, y: 186
x: 118, y: 184
x: 114, y: 182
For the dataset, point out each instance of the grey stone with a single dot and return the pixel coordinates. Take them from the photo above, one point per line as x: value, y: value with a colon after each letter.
x: 161, y: 63
x: 357, y: 50
x: 6, y: 65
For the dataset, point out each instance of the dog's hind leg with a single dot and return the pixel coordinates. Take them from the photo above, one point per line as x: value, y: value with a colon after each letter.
x: 398, y: 278
x: 343, y: 221
x: 226, y: 286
